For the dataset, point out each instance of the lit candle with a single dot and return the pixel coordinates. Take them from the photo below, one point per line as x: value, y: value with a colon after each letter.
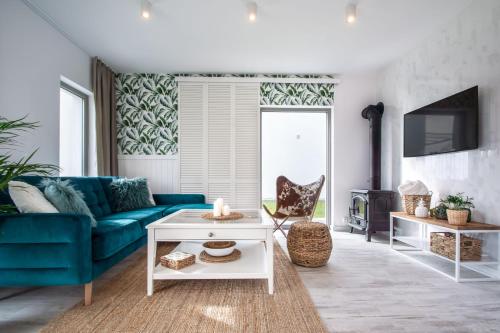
x: 226, y: 210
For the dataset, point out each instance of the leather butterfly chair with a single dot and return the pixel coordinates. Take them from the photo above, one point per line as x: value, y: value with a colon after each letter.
x: 294, y: 201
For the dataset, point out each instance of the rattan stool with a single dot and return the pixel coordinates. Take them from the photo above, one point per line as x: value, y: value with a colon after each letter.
x: 309, y: 243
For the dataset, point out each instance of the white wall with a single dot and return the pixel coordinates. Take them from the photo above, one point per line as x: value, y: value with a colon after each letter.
x: 464, y: 53
x: 33, y: 56
x: 351, y: 167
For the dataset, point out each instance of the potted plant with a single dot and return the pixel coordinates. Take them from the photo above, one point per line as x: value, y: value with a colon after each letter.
x: 458, y: 208
x: 439, y: 212
x: 10, y: 169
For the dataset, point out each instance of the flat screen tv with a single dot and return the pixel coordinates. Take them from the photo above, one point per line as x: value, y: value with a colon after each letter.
x: 448, y: 125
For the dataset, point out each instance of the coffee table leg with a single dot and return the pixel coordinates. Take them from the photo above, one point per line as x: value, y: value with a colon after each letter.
x: 151, y: 259
x: 270, y: 261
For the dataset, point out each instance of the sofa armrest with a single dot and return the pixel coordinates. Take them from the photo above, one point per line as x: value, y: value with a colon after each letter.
x: 178, y: 199
x: 45, y: 249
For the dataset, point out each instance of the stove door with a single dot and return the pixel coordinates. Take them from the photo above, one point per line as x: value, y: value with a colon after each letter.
x: 359, y: 207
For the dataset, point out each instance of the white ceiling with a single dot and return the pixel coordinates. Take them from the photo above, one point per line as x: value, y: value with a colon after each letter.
x: 290, y: 36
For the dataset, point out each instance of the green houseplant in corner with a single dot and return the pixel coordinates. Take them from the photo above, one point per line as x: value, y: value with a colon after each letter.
x: 11, y: 168
x: 458, y: 208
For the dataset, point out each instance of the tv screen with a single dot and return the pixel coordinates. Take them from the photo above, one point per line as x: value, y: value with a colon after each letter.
x: 448, y: 125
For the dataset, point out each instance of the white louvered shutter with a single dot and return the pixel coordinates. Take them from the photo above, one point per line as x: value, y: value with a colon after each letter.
x: 247, y: 145
x: 219, y: 141
x: 192, y: 142
x: 220, y: 169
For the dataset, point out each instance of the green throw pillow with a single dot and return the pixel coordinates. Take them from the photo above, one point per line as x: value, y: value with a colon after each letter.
x: 66, y: 199
x: 129, y: 194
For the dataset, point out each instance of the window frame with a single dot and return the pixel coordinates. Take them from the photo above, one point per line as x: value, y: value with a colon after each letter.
x: 85, y: 140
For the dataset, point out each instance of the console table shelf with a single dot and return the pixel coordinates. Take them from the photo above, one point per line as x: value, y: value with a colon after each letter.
x: 417, y: 248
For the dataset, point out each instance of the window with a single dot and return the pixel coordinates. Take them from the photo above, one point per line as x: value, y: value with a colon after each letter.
x: 72, y: 131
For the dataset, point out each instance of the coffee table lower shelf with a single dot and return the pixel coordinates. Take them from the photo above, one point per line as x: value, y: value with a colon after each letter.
x: 251, y: 265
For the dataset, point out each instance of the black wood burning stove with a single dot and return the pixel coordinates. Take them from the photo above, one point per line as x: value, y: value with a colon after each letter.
x: 369, y: 210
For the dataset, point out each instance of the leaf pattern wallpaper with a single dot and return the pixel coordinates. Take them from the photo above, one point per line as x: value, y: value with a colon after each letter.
x: 307, y: 94
x: 147, y: 114
x: 147, y: 106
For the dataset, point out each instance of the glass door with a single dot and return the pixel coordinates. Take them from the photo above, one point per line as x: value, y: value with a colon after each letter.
x: 295, y: 144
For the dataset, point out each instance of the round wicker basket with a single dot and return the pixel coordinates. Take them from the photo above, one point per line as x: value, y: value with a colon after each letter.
x: 457, y: 217
x: 309, y: 244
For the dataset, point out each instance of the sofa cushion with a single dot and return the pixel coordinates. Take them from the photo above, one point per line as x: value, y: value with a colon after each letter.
x: 176, y: 208
x: 29, y: 199
x: 112, y: 235
x: 93, y: 192
x: 145, y: 216
x: 130, y: 194
x: 66, y: 199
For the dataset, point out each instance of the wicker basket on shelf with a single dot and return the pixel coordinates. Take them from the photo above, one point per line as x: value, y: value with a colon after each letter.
x: 178, y: 260
x: 443, y: 243
x: 410, y: 202
x: 457, y: 217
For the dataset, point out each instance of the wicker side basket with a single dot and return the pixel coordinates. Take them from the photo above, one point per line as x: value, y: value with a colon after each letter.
x: 178, y: 260
x: 443, y: 243
x: 410, y: 202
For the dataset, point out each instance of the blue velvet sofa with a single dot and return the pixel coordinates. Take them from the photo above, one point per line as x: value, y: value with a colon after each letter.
x: 63, y: 249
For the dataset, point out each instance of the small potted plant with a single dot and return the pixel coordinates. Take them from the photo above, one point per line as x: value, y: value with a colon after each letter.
x: 458, y: 208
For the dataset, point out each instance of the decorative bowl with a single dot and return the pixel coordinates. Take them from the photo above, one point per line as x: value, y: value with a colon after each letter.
x: 219, y: 249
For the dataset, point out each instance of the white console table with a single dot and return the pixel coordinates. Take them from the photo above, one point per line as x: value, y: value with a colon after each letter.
x: 417, y: 248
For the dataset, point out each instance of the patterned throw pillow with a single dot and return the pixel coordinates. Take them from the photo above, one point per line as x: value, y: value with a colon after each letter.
x: 66, y: 199
x: 29, y: 199
x: 129, y: 194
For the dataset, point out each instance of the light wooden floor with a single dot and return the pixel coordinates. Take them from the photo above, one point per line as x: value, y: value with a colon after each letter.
x: 366, y: 287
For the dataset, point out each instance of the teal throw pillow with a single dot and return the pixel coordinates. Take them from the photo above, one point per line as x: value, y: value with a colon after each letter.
x: 66, y: 198
x: 129, y: 194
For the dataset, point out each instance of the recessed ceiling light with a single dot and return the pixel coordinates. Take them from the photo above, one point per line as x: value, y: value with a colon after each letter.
x: 145, y: 9
x: 350, y: 13
x: 252, y: 11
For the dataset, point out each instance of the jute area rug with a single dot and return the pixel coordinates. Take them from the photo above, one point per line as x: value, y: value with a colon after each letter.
x: 121, y: 304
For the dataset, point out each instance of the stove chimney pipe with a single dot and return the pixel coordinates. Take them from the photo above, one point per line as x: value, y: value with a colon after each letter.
x: 374, y: 115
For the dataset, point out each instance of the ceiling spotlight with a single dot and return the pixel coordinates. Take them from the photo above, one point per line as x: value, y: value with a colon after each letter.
x: 145, y: 9
x: 252, y: 11
x: 350, y: 13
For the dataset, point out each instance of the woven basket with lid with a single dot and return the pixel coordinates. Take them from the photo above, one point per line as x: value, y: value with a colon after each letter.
x: 309, y: 243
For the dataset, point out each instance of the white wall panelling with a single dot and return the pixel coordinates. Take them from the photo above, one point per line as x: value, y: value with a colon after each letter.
x: 162, y: 171
x: 219, y: 141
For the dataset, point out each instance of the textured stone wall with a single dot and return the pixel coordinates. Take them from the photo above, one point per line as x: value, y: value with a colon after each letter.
x: 464, y: 53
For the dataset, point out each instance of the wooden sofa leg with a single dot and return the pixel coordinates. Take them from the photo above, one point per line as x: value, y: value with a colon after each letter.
x: 88, y: 293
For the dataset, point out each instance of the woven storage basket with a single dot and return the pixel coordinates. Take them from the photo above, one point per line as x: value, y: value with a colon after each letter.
x: 178, y: 260
x: 443, y: 243
x: 457, y: 217
x: 309, y: 243
x: 410, y: 202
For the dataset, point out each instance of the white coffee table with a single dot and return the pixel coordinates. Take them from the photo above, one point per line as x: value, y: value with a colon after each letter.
x: 253, y: 235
